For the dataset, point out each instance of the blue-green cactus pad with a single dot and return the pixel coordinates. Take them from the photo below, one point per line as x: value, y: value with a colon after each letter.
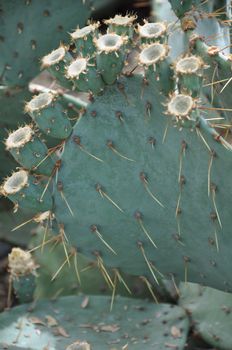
x: 211, y: 313
x: 139, y: 324
x: 191, y: 245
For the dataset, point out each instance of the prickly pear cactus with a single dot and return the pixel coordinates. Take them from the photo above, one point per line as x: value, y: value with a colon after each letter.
x: 59, y: 325
x: 139, y: 183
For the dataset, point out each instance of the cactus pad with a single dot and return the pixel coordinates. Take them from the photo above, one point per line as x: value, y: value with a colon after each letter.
x: 60, y: 325
x: 211, y: 313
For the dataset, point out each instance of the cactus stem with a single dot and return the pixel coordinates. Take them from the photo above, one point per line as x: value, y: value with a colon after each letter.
x: 103, y: 194
x: 94, y: 229
x: 149, y: 286
x: 112, y: 147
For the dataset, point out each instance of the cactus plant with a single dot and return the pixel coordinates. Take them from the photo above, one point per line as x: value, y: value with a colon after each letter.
x: 139, y: 174
x: 122, y: 186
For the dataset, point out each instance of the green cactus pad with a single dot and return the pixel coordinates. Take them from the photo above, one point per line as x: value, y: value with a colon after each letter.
x: 143, y: 180
x: 211, y: 313
x: 58, y: 324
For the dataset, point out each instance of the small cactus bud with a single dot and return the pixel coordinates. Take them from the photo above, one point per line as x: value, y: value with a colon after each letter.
x: 150, y: 32
x: 49, y: 115
x: 110, y: 56
x: 29, y: 151
x: 22, y: 189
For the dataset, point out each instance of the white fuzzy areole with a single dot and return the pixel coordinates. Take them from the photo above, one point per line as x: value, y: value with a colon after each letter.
x: 39, y: 102
x: 188, y: 65
x: 121, y: 20
x: 54, y: 57
x: 180, y: 105
x: 109, y: 42
x: 152, y: 30
x: 83, y: 32
x: 20, y: 262
x: 152, y: 54
x: 76, y: 68
x: 19, y: 137
x: 15, y: 182
x: 42, y: 216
